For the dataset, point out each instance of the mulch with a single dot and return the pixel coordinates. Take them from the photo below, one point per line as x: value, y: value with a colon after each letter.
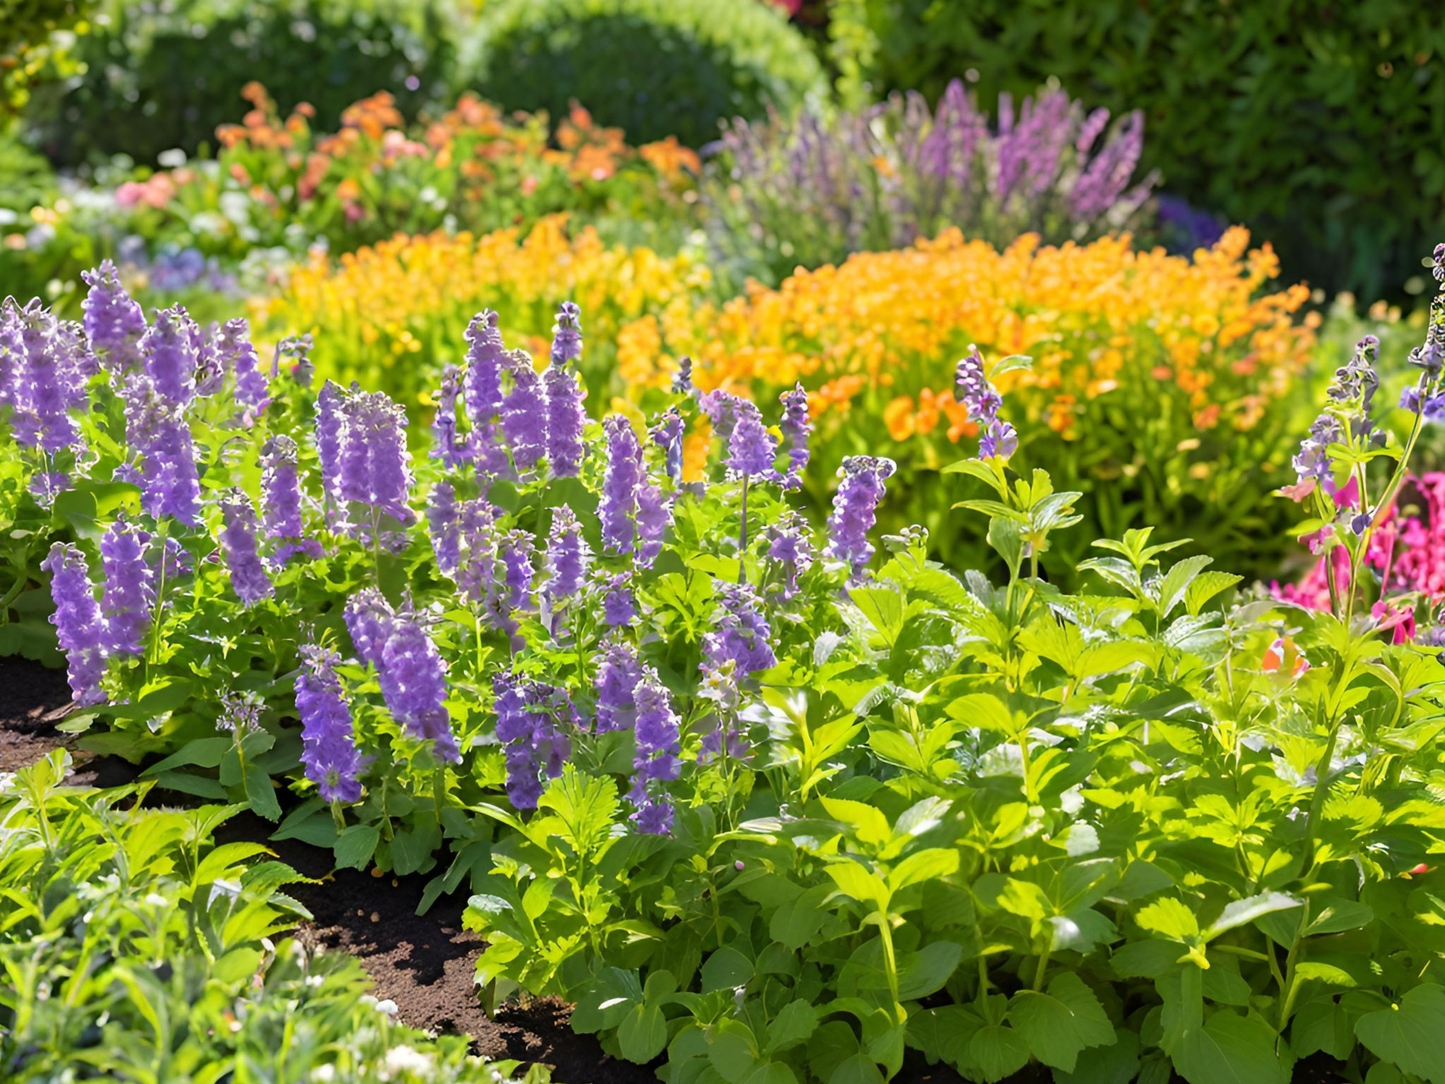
x: 423, y: 963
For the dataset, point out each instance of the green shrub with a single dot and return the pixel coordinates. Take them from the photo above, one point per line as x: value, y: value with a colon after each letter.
x: 33, y: 36
x: 163, y: 75
x: 652, y: 67
x: 1310, y: 122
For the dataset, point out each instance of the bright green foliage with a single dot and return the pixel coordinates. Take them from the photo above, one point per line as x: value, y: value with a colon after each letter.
x: 133, y: 948
x: 33, y: 36
x: 157, y: 80
x: 651, y: 67
x: 1317, y: 124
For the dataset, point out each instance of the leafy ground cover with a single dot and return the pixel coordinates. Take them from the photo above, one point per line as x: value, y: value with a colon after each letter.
x: 763, y: 802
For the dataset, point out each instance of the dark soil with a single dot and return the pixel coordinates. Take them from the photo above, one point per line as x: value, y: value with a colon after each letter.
x: 424, y: 963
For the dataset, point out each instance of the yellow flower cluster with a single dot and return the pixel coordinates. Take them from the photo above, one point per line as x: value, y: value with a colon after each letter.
x: 882, y: 332
x: 390, y: 314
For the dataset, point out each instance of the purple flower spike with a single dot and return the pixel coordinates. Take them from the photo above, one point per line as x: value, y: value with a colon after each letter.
x: 619, y: 608
x: 654, y: 516
x: 656, y: 761
x: 616, y: 680
x: 157, y: 429
x: 171, y: 349
x: 751, y: 449
x: 515, y: 552
x: 524, y: 412
x: 114, y: 323
x: 619, y: 484
x: 854, y: 508
x: 568, y: 556
x: 533, y: 721
x: 373, y: 461
x: 972, y: 389
x: 795, y: 428
x: 44, y: 366
x: 281, y: 492
x: 482, y: 386
x: 444, y: 525
x: 77, y: 621
x: 565, y: 420
x: 414, y: 685
x: 369, y: 619
x: 327, y: 435
x: 667, y: 434
x: 130, y: 594
x: 447, y: 444
x: 235, y: 354
x: 790, y: 551
x: 328, y: 749
x: 567, y: 335
x: 238, y: 543
x: 741, y: 633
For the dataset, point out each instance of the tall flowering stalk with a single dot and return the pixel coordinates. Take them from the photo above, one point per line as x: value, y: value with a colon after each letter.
x: 855, y: 507
x: 114, y: 322
x: 328, y: 748
x: 618, y: 505
x: 281, y: 504
x: 656, y: 762
x: 77, y: 621
x: 238, y: 542
x: 565, y: 416
x: 482, y: 389
x: 171, y: 351
x: 130, y: 594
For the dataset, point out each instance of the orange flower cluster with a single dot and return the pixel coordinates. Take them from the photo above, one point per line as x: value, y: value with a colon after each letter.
x: 882, y: 332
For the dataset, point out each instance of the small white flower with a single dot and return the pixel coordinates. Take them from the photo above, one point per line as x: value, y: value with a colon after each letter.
x: 155, y: 899
x: 388, y: 1006
x: 322, y: 1074
x: 172, y: 159
x: 403, y: 1059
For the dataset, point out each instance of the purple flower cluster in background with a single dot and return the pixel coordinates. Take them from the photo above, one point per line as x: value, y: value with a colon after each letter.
x: 811, y: 189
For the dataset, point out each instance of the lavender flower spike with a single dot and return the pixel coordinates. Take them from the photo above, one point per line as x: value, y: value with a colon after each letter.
x: 654, y: 516
x: 130, y: 594
x: 795, y: 426
x: 619, y: 484
x: 328, y: 749
x: 77, y: 621
x: 524, y: 412
x: 171, y: 349
x: 238, y: 543
x: 565, y: 417
x: 114, y: 322
x: 482, y: 387
x: 369, y: 619
x: 751, y: 449
x: 854, y: 508
x: 281, y: 493
x: 414, y: 684
x: 972, y: 389
x: 616, y: 679
x: 568, y: 555
x: 447, y: 444
x: 656, y: 760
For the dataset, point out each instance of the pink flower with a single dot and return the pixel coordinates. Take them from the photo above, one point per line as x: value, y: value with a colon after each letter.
x: 130, y: 193
x: 1399, y: 618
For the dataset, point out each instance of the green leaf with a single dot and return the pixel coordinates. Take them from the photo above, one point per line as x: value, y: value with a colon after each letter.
x: 869, y: 824
x: 1114, y: 1064
x: 857, y: 881
x: 925, y: 971
x: 998, y: 1051
x: 772, y: 1072
x: 262, y: 795
x: 1230, y: 1049
x: 356, y: 845
x: 1169, y: 918
x: 725, y: 969
x: 1061, y: 1023
x: 794, y: 1024
x: 643, y: 1034
x: 932, y: 864
x: 857, y: 1069
x: 1409, y: 1034
x: 1206, y: 587
x: 796, y: 921
x: 1242, y: 912
x: 732, y: 1051
x: 1177, y: 580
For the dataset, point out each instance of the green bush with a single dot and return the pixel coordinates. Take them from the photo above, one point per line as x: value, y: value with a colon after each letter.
x: 165, y: 74
x: 652, y: 67
x: 1312, y: 122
